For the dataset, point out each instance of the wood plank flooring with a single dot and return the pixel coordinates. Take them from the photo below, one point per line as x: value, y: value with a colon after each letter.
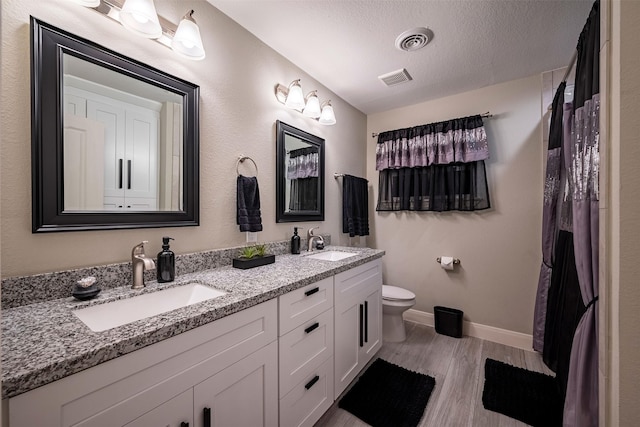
x: 458, y: 368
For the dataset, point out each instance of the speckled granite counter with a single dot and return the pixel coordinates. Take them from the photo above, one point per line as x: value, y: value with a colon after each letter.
x: 44, y: 342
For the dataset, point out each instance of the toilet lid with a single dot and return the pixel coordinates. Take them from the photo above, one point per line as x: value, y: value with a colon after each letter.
x: 396, y: 293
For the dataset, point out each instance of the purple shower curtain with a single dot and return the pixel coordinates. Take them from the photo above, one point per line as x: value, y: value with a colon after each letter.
x: 581, y: 401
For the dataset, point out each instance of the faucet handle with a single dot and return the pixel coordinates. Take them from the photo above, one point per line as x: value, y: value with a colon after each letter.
x: 139, y: 248
x: 310, y: 231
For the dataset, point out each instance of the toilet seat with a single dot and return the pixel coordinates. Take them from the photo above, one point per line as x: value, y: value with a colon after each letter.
x: 394, y: 293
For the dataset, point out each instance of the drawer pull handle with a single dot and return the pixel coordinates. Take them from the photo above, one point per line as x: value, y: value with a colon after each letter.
x: 312, y: 328
x: 312, y: 382
x: 207, y: 417
x: 312, y: 291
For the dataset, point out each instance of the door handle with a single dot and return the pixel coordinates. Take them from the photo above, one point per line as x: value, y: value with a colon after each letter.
x: 119, y: 173
x: 312, y: 328
x: 206, y: 412
x: 366, y: 321
x: 128, y: 174
x: 183, y: 424
x: 361, y: 324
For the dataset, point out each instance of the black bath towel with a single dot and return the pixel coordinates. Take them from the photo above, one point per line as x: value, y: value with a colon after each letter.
x: 248, y: 203
x: 355, y: 206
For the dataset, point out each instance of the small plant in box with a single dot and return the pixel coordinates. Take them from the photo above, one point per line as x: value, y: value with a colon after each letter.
x: 253, y: 256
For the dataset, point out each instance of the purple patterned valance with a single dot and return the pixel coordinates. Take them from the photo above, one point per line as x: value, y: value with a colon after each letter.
x: 461, y: 140
x: 302, y: 163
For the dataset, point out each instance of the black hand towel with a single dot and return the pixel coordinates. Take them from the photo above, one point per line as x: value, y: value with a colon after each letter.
x: 248, y: 203
x: 355, y: 206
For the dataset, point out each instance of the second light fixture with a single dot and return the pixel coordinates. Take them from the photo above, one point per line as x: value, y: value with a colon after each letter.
x: 293, y: 97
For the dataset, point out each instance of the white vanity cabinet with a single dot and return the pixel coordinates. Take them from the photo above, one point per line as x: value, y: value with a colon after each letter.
x: 306, y: 353
x: 358, y: 320
x: 229, y: 365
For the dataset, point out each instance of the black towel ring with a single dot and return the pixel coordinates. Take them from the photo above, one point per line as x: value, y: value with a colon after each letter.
x: 241, y: 159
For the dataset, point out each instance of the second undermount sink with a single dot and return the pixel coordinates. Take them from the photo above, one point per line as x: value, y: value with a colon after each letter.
x: 120, y: 312
x: 332, y: 255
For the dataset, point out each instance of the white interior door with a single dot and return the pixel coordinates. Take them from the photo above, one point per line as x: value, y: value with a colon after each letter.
x: 83, y: 163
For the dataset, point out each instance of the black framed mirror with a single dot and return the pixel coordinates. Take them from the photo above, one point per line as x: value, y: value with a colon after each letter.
x: 115, y: 143
x: 299, y: 175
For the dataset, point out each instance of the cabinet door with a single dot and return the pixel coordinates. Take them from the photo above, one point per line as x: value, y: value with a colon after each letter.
x: 113, y: 119
x: 244, y: 394
x: 347, y: 345
x: 373, y: 325
x: 177, y: 412
x: 141, y: 157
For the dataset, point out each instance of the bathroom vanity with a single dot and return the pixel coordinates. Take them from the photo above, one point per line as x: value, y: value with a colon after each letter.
x: 277, y: 348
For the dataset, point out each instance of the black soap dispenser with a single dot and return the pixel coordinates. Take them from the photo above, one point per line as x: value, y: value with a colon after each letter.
x: 295, y: 242
x: 166, y: 265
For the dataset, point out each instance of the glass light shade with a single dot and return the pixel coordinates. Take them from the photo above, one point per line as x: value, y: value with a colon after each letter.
x: 295, y: 98
x: 187, y: 40
x: 140, y: 17
x: 327, y: 117
x: 312, y: 107
x: 87, y: 3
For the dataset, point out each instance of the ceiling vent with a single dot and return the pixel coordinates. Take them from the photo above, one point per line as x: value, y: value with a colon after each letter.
x: 395, y: 77
x: 414, y: 39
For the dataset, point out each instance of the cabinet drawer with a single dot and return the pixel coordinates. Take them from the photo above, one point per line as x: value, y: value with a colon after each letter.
x: 308, y: 400
x: 302, y: 305
x: 304, y: 349
x: 355, y: 284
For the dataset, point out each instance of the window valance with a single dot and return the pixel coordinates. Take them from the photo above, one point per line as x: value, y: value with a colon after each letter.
x: 460, y: 140
x: 302, y: 163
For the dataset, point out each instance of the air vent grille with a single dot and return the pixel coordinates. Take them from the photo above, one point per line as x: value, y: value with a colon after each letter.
x: 395, y: 77
x: 414, y: 39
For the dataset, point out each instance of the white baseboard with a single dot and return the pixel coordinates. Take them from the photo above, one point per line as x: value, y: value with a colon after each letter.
x: 489, y: 333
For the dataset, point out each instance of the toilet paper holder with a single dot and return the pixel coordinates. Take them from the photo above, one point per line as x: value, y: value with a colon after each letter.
x: 456, y: 261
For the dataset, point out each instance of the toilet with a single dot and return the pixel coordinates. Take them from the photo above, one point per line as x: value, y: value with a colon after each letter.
x: 395, y: 301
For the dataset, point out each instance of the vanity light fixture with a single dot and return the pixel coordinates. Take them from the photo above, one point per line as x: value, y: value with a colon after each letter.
x: 327, y: 117
x: 187, y: 40
x: 309, y: 105
x: 295, y: 97
x: 312, y: 105
x: 140, y: 17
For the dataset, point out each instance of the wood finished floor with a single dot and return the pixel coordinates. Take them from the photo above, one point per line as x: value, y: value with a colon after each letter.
x: 458, y: 368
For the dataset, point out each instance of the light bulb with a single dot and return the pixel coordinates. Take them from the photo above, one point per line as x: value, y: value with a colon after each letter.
x: 327, y: 117
x: 187, y: 40
x: 312, y: 107
x: 140, y: 17
x: 295, y: 98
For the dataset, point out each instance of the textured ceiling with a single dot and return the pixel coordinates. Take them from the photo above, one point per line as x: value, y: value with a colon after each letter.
x: 347, y: 44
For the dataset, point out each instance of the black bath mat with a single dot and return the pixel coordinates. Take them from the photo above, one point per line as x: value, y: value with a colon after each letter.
x: 527, y: 396
x: 389, y: 395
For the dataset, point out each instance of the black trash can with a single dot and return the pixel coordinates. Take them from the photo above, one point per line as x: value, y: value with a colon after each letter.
x: 448, y: 321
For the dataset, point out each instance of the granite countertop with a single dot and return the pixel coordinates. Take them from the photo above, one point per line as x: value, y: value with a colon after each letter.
x: 44, y: 342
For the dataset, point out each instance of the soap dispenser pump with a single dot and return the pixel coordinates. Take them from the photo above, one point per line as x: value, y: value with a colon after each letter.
x: 166, y: 262
x: 295, y: 242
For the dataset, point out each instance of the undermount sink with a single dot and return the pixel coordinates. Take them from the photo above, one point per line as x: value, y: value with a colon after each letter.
x: 120, y: 312
x: 332, y: 255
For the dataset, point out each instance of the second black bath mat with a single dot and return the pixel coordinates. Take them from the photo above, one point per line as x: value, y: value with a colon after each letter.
x: 389, y: 395
x: 528, y: 396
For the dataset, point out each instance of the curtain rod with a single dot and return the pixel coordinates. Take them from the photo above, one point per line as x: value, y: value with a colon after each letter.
x: 485, y: 115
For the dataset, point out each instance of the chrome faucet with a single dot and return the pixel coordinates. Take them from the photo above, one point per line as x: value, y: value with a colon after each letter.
x: 311, y: 237
x: 140, y: 263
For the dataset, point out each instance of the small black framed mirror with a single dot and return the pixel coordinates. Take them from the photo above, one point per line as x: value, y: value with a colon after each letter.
x: 299, y: 175
x: 115, y: 143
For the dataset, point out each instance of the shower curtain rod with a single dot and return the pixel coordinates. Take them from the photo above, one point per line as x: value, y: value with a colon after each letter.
x: 485, y: 115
